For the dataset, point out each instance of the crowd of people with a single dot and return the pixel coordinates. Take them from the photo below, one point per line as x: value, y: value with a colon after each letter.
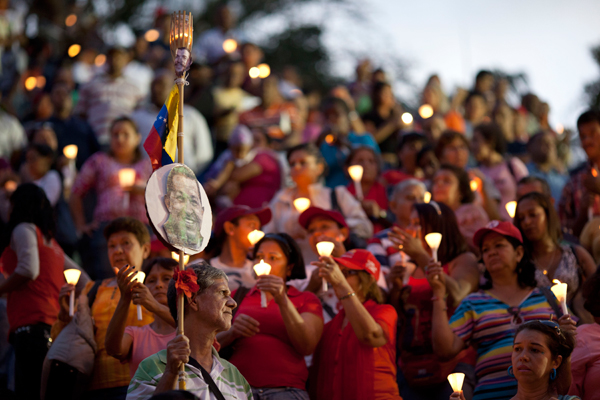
x: 387, y: 315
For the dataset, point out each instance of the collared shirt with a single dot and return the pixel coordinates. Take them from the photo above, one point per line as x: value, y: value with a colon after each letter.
x: 226, y: 376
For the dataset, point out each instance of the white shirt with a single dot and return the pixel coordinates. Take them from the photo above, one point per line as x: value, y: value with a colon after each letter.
x: 139, y: 74
x: 244, y: 276
x: 52, y: 186
x: 12, y: 135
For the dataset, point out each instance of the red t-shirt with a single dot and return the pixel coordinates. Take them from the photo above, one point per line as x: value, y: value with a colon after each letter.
x: 268, y: 358
x: 258, y: 191
x: 37, y: 300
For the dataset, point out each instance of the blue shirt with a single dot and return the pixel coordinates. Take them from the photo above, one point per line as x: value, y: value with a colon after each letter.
x: 335, y: 157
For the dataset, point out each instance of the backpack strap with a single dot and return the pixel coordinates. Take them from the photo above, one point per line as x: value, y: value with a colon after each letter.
x: 551, y: 299
x: 93, y: 292
x: 212, y: 386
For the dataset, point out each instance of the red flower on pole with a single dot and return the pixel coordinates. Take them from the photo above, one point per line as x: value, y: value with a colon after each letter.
x: 186, y: 282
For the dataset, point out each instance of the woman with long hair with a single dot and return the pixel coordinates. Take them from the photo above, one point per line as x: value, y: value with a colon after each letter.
x: 489, y: 318
x: 538, y: 222
x: 34, y: 264
x: 424, y: 373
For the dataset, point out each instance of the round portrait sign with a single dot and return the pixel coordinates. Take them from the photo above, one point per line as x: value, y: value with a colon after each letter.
x: 178, y: 208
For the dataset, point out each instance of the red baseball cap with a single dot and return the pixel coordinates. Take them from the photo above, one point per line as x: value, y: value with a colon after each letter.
x: 361, y: 260
x: 231, y: 213
x: 503, y: 228
x: 313, y: 212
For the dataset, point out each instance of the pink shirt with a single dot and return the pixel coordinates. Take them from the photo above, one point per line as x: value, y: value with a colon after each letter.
x: 258, y: 191
x: 585, y: 363
x: 101, y: 172
x: 145, y: 343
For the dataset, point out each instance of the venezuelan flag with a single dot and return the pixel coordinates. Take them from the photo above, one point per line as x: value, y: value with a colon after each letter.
x: 161, y: 143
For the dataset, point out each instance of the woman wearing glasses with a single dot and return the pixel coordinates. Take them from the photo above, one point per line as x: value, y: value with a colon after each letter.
x: 357, y: 354
x: 540, y: 359
x: 489, y: 318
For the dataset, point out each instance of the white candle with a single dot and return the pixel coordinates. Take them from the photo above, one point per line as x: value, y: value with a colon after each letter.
x: 72, y: 277
x: 140, y: 276
x: 255, y: 236
x: 356, y: 173
x: 433, y: 240
x: 511, y: 208
x: 262, y: 268
x: 325, y: 249
x: 456, y: 381
x: 560, y: 291
x: 175, y: 256
x: 126, y: 180
x: 301, y: 204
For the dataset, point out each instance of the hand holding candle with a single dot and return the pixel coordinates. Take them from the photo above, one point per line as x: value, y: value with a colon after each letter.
x: 356, y: 173
x: 560, y: 291
x: 325, y: 249
x: 140, y: 276
x: 255, y: 236
x: 301, y: 204
x: 72, y: 277
x: 456, y: 381
x: 262, y: 268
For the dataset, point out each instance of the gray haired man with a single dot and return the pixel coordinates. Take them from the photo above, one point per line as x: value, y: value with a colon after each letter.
x: 207, y: 312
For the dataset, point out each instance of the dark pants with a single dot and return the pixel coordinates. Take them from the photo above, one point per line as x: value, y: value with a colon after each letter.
x: 31, y: 343
x: 116, y: 393
x: 65, y: 382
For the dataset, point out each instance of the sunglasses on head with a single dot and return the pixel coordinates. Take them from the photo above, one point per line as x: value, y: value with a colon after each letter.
x: 551, y: 324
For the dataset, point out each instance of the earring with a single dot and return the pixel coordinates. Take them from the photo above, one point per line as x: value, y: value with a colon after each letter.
x: 553, y: 374
x: 510, y: 371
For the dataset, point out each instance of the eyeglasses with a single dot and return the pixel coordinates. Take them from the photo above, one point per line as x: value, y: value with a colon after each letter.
x: 349, y: 272
x: 551, y: 324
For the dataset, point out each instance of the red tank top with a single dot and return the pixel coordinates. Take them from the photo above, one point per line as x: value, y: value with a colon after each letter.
x: 37, y: 300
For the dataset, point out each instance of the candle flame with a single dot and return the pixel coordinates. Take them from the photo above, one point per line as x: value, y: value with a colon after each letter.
x: 262, y: 268
x: 255, y: 236
x: 456, y: 381
x: 355, y: 172
x: 325, y: 248
x: 407, y: 118
x: 594, y: 173
x: 474, y: 185
x: 433, y: 240
x: 427, y: 197
x: 72, y: 276
x: 301, y: 204
x: 426, y: 111
x: 70, y: 151
x: 126, y: 177
x: 511, y: 208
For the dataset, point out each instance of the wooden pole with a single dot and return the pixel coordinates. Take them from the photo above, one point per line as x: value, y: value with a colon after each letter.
x: 180, y: 330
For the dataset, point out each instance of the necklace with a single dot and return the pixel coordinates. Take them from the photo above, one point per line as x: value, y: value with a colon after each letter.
x: 550, y: 264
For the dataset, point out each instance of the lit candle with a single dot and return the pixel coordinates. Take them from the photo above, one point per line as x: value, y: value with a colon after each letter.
x: 511, y: 208
x: 140, y: 276
x: 175, y: 256
x: 456, y: 381
x: 229, y: 45
x: 262, y: 268
x: 560, y: 291
x: 427, y: 197
x: 474, y: 185
x: 301, y: 204
x: 426, y: 111
x: 255, y: 236
x: 70, y: 151
x: 126, y: 180
x: 263, y: 71
x: 356, y: 173
x: 325, y: 249
x: 72, y: 277
x: 591, y: 208
x: 407, y: 118
x: 433, y: 240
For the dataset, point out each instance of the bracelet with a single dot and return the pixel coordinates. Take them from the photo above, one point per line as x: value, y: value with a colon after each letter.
x: 348, y: 296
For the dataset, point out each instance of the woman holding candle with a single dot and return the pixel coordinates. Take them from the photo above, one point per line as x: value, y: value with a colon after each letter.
x: 101, y: 173
x: 488, y: 319
x: 307, y: 168
x: 374, y: 200
x: 135, y: 343
x: 269, y: 344
x: 34, y: 264
x: 452, y: 186
x: 542, y: 236
x: 356, y: 358
x: 423, y: 373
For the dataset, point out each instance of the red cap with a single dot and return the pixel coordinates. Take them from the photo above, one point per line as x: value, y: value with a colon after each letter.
x: 231, y: 213
x: 503, y: 228
x: 313, y: 212
x: 361, y: 260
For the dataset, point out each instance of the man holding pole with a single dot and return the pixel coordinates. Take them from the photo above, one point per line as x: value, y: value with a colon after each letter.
x: 207, y: 312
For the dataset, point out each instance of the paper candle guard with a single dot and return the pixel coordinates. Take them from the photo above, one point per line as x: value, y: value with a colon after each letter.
x: 255, y: 236
x: 301, y: 204
x: 72, y: 277
x: 356, y: 173
x: 325, y: 249
x: 262, y: 268
x: 456, y: 381
x: 560, y: 291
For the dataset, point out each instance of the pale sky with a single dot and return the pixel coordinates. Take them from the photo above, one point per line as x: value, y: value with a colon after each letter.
x: 547, y: 39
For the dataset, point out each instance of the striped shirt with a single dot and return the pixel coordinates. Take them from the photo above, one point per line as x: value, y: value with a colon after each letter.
x: 105, y: 99
x: 490, y: 324
x: 227, y: 377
